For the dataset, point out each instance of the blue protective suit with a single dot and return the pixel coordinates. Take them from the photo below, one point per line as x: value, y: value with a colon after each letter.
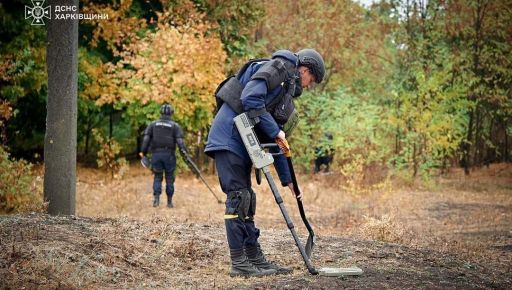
x: 223, y: 133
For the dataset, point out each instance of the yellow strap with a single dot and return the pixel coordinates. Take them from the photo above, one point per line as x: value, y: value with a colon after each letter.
x: 230, y: 216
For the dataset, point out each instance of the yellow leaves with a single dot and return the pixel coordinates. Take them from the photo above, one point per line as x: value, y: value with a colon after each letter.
x: 180, y: 60
x: 5, y: 110
x: 182, y: 65
x: 117, y: 29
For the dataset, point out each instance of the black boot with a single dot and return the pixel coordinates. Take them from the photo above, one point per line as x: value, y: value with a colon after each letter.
x: 169, y: 202
x: 256, y: 257
x: 240, y: 266
x: 156, y: 200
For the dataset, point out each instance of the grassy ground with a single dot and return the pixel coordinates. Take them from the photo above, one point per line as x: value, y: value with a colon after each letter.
x: 455, y: 233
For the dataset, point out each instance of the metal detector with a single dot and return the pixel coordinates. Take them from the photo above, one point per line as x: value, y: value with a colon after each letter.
x: 261, y: 161
x: 197, y: 172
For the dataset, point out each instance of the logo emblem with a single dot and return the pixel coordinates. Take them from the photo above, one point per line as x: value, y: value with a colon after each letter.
x: 37, y: 12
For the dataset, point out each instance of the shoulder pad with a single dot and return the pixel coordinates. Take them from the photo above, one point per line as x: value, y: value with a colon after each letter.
x: 273, y: 72
x: 247, y: 64
x: 286, y: 55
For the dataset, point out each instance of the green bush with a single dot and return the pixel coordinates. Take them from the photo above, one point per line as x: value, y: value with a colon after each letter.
x: 360, y: 139
x: 18, y: 190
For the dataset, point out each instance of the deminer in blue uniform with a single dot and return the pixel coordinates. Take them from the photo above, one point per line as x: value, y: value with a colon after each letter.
x: 265, y: 89
x: 161, y: 138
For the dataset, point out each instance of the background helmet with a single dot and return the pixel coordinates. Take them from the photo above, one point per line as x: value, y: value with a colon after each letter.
x: 166, y: 110
x: 311, y: 59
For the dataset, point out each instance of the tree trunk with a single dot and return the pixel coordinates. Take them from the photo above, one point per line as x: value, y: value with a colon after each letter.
x: 61, y: 118
x: 443, y: 164
x: 477, y: 155
x: 414, y: 160
x: 466, y: 146
x: 397, y: 143
x: 110, y: 124
x: 473, y: 97
x: 87, y: 137
x: 490, y: 152
x: 505, y: 151
x: 88, y: 132
x: 140, y: 136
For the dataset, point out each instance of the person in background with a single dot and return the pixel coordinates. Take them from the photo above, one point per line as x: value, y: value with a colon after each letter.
x: 160, y: 138
x: 324, y: 153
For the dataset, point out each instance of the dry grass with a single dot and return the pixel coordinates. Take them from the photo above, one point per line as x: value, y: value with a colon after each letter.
x: 120, y: 241
x: 455, y: 209
x: 385, y: 228
x: 115, y: 253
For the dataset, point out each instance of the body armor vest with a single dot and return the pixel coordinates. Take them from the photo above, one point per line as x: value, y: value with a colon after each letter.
x: 163, y: 135
x: 275, y: 72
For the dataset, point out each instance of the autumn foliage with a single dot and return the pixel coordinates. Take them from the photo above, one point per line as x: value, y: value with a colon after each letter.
x: 19, y: 189
x: 411, y: 88
x: 180, y: 65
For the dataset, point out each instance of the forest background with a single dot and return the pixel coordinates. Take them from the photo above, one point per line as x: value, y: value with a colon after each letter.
x: 412, y: 88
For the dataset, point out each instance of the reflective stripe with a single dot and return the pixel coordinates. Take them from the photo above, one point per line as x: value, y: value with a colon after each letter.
x: 230, y: 216
x: 165, y: 124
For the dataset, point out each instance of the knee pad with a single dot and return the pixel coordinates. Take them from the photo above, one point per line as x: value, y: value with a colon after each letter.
x: 238, y: 204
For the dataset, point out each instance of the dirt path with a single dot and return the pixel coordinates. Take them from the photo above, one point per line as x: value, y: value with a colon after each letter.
x: 457, y: 233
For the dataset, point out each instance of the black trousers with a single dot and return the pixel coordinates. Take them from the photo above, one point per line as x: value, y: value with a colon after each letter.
x: 325, y: 160
x: 163, y: 163
x: 235, y: 180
